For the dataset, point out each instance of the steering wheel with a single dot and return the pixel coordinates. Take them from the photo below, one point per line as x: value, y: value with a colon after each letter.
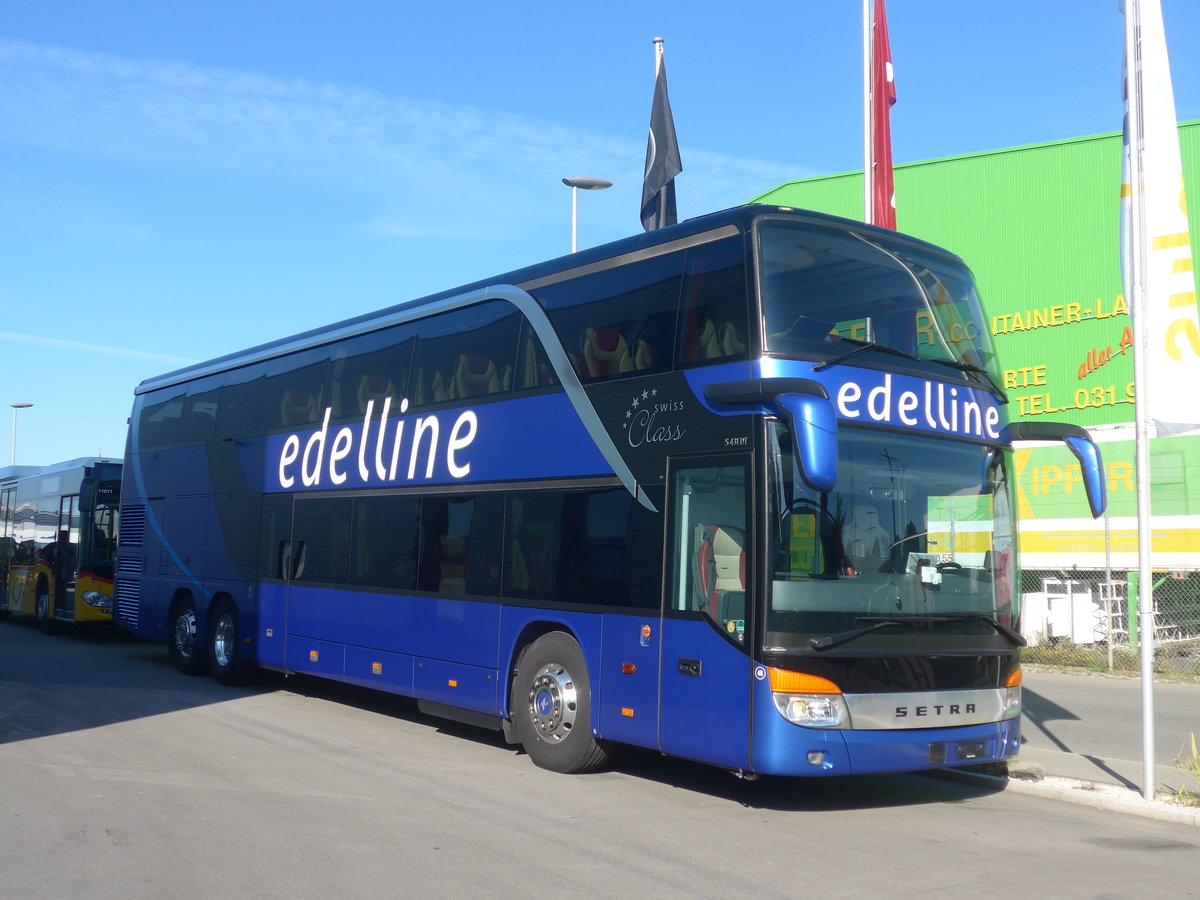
x: 949, y: 567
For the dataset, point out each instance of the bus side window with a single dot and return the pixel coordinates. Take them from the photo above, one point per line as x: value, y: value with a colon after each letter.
x: 384, y: 540
x: 238, y: 415
x: 466, y: 354
x: 294, y: 392
x: 530, y: 567
x: 199, y: 422
x: 322, y: 535
x: 533, y: 368
x: 620, y: 322
x: 367, y: 371
x: 713, y: 323
x: 709, y: 543
x: 159, y: 426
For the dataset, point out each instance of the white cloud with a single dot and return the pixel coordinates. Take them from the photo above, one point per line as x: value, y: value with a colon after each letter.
x: 38, y: 340
x: 403, y: 152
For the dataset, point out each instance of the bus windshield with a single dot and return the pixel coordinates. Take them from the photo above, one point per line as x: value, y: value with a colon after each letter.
x: 915, y: 528
x: 826, y: 292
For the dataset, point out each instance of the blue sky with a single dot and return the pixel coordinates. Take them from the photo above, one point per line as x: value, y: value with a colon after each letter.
x: 181, y: 180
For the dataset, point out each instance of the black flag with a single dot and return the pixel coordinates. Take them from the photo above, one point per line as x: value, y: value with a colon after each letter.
x: 662, y: 159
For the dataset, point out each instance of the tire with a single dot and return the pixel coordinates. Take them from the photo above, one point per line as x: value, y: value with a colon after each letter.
x: 42, y: 611
x: 225, y: 655
x: 552, y: 707
x: 183, y: 641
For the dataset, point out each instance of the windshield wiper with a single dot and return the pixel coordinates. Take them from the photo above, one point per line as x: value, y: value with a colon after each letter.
x: 974, y: 370
x: 878, y: 622
x: 832, y: 640
x: 1010, y: 633
x: 862, y: 347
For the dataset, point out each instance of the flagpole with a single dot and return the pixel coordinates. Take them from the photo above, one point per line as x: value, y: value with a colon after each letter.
x: 1137, y: 313
x: 868, y: 161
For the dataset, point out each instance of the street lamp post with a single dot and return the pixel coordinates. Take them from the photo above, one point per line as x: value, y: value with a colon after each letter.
x: 587, y: 184
x: 15, y: 407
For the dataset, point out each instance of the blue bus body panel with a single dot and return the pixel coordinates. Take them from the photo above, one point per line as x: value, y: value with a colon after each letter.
x: 272, y: 618
x: 627, y: 701
x: 431, y: 627
x: 705, y: 695
x: 782, y: 748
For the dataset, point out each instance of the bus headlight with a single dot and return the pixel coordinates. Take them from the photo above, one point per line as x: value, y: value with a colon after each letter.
x: 813, y: 710
x: 1012, y: 702
x: 97, y: 599
x: 808, y: 700
x: 1012, y: 694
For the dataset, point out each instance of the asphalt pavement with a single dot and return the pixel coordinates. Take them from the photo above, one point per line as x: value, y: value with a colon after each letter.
x: 1082, y: 741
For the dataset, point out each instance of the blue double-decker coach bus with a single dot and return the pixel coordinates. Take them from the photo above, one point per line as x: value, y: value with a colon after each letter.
x: 737, y: 490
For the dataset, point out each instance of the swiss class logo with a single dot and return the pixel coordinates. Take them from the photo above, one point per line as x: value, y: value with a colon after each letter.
x: 648, y: 419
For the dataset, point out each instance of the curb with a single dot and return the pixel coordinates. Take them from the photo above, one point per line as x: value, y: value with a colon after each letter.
x: 1032, y: 781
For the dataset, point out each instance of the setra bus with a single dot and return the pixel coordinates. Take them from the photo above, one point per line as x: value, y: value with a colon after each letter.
x: 738, y: 490
x: 58, y: 540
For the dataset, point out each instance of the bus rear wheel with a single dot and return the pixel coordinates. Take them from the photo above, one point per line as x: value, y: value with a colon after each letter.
x: 182, y: 643
x: 552, y: 707
x: 225, y: 654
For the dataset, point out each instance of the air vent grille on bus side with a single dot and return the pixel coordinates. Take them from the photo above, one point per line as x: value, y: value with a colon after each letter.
x: 130, y: 565
x: 133, y: 526
x: 126, y: 595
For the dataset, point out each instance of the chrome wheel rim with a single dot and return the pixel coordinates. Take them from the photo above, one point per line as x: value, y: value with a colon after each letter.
x: 43, y: 607
x: 185, y: 633
x: 223, y: 640
x: 553, y: 703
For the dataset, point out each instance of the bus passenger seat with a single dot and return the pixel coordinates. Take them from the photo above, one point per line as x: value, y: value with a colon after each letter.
x: 732, y: 342
x: 474, y: 376
x: 643, y: 356
x: 437, y: 391
x: 721, y: 571
x: 377, y: 388
x: 605, y: 353
x: 702, y: 343
x: 297, y: 407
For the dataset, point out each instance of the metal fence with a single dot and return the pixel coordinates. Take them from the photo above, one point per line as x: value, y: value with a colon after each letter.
x: 1091, y: 620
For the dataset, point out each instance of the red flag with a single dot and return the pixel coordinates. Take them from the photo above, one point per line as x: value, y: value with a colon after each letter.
x: 883, y: 98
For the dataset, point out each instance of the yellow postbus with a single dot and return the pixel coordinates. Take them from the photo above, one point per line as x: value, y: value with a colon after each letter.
x: 58, y: 538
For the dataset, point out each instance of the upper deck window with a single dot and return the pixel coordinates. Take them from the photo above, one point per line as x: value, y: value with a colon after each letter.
x: 823, y: 290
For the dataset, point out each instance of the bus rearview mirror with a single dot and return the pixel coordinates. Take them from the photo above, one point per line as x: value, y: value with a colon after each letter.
x: 1080, y: 443
x: 814, y: 437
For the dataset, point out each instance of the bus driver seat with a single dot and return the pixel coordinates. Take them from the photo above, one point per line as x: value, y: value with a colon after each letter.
x: 721, y: 573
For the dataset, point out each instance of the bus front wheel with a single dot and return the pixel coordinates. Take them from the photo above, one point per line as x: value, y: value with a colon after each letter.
x: 225, y: 654
x: 552, y: 707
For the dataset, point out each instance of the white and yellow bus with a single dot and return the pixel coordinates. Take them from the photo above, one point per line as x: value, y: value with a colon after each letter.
x: 58, y: 538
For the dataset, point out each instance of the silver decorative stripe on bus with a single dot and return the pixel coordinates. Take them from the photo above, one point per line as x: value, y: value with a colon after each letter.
x: 927, y: 709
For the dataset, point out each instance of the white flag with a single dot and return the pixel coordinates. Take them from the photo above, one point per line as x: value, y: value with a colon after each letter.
x: 1168, y: 312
